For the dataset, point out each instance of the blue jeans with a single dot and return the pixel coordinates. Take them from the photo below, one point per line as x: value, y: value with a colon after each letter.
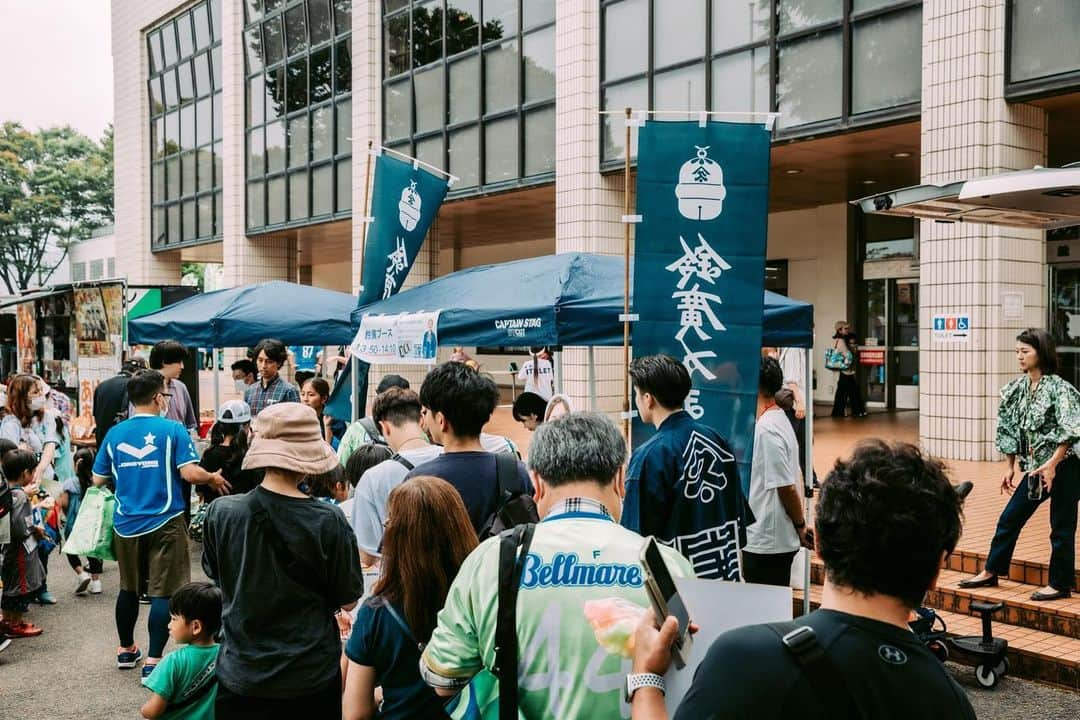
x: 1063, y: 500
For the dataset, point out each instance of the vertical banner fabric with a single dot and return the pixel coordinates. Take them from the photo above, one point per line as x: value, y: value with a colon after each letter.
x: 699, y: 266
x: 404, y: 201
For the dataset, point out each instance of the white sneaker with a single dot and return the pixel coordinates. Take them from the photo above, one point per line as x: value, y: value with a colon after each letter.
x: 95, y: 587
x: 82, y: 582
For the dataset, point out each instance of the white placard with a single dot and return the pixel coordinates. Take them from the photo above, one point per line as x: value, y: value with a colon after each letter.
x: 951, y: 328
x: 717, y: 606
x: 1012, y: 305
x: 410, y: 338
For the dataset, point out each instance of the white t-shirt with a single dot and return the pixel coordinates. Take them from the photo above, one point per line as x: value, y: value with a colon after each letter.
x: 538, y: 378
x: 793, y: 364
x: 373, y: 491
x: 775, y: 465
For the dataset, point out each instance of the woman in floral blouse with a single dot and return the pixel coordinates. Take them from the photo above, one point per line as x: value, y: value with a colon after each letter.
x: 1038, y: 424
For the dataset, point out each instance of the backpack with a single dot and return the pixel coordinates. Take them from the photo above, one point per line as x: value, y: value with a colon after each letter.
x: 372, y: 429
x: 513, y: 507
x: 6, y: 500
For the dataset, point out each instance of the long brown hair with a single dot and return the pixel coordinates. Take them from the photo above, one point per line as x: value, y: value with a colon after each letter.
x: 18, y: 397
x: 428, y: 535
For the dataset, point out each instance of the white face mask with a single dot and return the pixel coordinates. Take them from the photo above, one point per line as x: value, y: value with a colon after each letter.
x: 37, y: 403
x: 240, y: 385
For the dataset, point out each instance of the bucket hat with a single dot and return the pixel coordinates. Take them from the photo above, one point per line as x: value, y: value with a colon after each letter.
x: 287, y: 436
x: 235, y: 412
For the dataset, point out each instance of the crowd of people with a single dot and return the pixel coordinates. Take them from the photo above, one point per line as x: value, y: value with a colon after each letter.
x: 410, y: 565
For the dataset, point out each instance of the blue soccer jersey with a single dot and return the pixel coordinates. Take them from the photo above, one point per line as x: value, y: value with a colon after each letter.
x: 144, y: 454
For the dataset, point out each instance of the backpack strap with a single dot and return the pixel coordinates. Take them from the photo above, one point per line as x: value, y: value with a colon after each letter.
x: 403, y: 625
x: 402, y: 461
x: 513, y: 549
x: 506, y: 473
x: 827, y: 681
x: 372, y: 429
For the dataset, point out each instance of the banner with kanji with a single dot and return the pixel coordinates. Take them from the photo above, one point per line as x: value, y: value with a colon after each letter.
x: 405, y: 198
x: 699, y: 265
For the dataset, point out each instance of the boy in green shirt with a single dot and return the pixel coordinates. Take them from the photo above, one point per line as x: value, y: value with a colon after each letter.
x: 184, y: 683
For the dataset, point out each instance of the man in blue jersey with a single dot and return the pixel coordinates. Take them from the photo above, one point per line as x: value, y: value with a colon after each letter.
x: 149, y: 457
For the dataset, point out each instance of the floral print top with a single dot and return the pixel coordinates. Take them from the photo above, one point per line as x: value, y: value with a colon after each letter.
x: 1031, y: 424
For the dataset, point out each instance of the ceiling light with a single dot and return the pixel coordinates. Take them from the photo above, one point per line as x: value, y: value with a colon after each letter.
x: 868, y: 182
x: 899, y: 155
x: 792, y: 171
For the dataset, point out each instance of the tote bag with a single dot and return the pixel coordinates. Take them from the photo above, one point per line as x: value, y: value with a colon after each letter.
x: 93, y: 532
x: 837, y: 359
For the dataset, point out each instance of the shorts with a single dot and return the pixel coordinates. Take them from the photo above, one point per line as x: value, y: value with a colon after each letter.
x: 158, y: 562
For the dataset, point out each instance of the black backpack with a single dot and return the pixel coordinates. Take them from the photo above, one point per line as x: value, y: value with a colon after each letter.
x: 513, y: 507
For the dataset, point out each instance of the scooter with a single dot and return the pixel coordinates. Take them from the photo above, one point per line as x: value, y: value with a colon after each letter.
x: 984, y: 651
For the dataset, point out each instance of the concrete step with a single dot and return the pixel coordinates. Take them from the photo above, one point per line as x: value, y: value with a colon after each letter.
x: 1059, y: 617
x: 1035, y: 573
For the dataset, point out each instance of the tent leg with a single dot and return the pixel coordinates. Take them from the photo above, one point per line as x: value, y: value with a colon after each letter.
x: 217, y: 379
x: 559, y: 372
x: 355, y: 389
x: 592, y: 379
x: 808, y: 429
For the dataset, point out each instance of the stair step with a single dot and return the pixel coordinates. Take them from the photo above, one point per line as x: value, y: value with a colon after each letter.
x: 1022, y: 571
x: 1059, y: 617
x: 1033, y: 654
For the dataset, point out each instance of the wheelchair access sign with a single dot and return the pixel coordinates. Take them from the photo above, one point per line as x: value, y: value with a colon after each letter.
x: 952, y: 328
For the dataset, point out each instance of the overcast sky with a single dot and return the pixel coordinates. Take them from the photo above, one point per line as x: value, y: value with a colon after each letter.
x: 57, y: 64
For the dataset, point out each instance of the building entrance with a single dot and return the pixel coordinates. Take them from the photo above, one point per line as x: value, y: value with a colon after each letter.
x: 890, y: 344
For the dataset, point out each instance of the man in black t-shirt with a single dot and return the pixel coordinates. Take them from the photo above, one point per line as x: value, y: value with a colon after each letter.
x: 886, y: 519
x: 111, y: 399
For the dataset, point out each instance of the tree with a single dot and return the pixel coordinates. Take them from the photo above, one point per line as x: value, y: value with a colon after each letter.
x: 56, y: 187
x: 193, y: 274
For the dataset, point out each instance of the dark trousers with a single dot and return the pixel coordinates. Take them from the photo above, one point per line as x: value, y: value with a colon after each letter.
x: 771, y: 569
x: 93, y: 565
x: 799, y: 428
x: 847, y: 390
x: 324, y: 704
x: 1063, y: 500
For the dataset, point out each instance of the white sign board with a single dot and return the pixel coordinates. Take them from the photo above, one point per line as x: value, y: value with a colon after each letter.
x: 951, y: 328
x: 1012, y: 305
x: 410, y: 338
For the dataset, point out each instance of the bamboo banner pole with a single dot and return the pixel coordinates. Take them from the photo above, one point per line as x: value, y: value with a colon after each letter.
x: 626, y: 282
x: 365, y: 218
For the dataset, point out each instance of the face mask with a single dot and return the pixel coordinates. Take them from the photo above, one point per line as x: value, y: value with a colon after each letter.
x: 240, y: 385
x: 37, y: 403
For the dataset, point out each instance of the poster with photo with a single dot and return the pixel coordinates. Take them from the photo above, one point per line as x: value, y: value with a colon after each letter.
x: 93, y: 308
x: 26, y: 339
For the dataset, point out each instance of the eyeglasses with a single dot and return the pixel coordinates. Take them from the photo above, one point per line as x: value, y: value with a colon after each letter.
x: 165, y: 395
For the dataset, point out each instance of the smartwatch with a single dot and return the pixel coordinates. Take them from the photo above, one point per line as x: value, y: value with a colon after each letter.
x: 634, y: 681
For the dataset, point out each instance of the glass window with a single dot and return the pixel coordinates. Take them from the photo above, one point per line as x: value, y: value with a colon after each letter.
x: 202, y: 74
x: 343, y: 68
x: 256, y: 204
x: 1043, y: 39
x: 298, y: 141
x: 78, y: 271
x: 253, y: 50
x: 272, y: 5
x: 741, y: 81
x: 431, y: 151
x: 187, y: 127
x: 215, y: 18
x: 682, y: 89
x: 297, y: 88
x: 462, y: 25
x: 156, y: 105
x: 298, y: 195
x: 539, y: 56
x: 202, y: 26
x: 173, y: 215
x: 390, y: 6
x: 344, y: 185
x: 183, y: 34
x: 678, y: 32
x: 500, y: 19
x: 110, y: 265
x: 464, y: 89
x: 273, y: 42
x: 799, y: 14
x: 97, y: 269
x: 740, y: 23
x: 219, y: 215
x: 342, y: 16
x: 204, y: 161
x: 465, y: 155
x: 810, y: 81
x: 430, y: 94
x: 275, y: 93
x: 886, y: 63
x: 427, y: 33
x: 156, y: 61
x: 397, y: 109
x: 539, y: 141
x: 295, y: 30
x: 626, y: 39
x: 187, y: 173
x: 501, y: 77
x: 320, y: 24
x: 204, y: 122
x: 322, y: 133
x: 157, y: 226
x: 206, y: 215
x: 501, y: 150
x: 322, y: 190
x: 172, y: 133
x: 344, y: 126
x: 396, y: 45
x: 157, y: 142
x: 184, y: 81
x: 275, y: 146
x: 256, y: 90
x: 157, y: 182
x: 217, y: 163
x: 190, y: 231
x: 633, y: 95
x: 537, y: 12
x: 215, y: 66
x: 275, y: 201
x: 253, y: 10
x: 321, y: 88
x: 858, y: 6
x: 172, y: 97
x: 168, y: 43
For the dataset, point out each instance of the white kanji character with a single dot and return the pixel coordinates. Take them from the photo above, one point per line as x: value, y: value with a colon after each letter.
x: 702, y: 262
x: 399, y: 258
x: 694, y: 304
x: 693, y: 361
x: 693, y: 405
x: 389, y: 284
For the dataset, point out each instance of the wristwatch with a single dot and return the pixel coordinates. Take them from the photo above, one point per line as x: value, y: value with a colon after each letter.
x: 640, y: 680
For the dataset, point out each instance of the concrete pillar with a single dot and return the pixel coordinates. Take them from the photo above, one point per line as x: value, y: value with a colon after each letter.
x: 969, y: 130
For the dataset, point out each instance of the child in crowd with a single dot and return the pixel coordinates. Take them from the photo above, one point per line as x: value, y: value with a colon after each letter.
x: 363, y: 459
x: 74, y: 492
x: 330, y: 487
x: 183, y: 683
x: 228, y: 446
x: 22, y: 570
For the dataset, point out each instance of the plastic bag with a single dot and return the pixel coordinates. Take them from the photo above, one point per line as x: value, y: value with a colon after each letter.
x: 92, y: 535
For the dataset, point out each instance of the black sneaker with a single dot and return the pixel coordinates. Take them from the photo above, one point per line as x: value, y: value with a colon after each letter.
x: 144, y: 599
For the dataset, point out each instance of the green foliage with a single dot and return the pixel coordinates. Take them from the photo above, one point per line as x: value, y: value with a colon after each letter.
x: 194, y: 274
x: 56, y: 187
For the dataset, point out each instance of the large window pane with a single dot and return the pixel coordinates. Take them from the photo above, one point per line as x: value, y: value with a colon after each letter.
x: 204, y: 122
x: 430, y: 93
x: 858, y: 6
x: 886, y: 61
x: 275, y: 146
x: 344, y: 185
x: 501, y: 150
x: 256, y: 153
x: 215, y: 66
x: 253, y: 10
x: 156, y: 104
x: 275, y: 92
x: 295, y: 30
x: 320, y: 22
x: 168, y: 80
x: 799, y: 14
x: 322, y: 190
x: 219, y: 215
x: 217, y: 163
x: 204, y: 162
x: 255, y: 102
x: 539, y: 55
x: 206, y: 216
x: 678, y: 32
x: 202, y: 74
x: 184, y: 81
x: 157, y: 226
x: 156, y: 60
x: 539, y: 141
x: 1044, y: 38
x: 322, y: 133
x: 537, y: 12
x: 427, y: 32
x: 396, y: 45
x: 157, y: 183
x: 390, y: 6
x: 157, y: 143
x: 741, y: 81
x: 253, y: 50
x: 462, y: 25
x: 344, y: 126
x: 172, y: 133
x: 183, y: 34
x: 190, y: 231
x: 298, y: 195
x: 465, y: 156
x: 173, y: 214
x: 682, y: 89
x: 321, y: 88
x: 634, y: 95
x: 297, y: 92
x: 342, y: 16
x: 275, y: 201
x: 397, y: 109
x: 187, y: 173
x: 187, y: 127
x: 168, y: 43
x: 500, y: 19
x: 256, y: 205
x: 809, y: 88
x: 343, y: 67
x: 202, y: 26
x: 501, y: 77
x: 273, y: 42
x: 465, y: 89
x: 298, y: 141
x: 740, y: 23
x: 626, y: 39
x: 430, y: 151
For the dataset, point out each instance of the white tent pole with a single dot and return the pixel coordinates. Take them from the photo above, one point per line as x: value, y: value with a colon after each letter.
x: 808, y: 480
x: 354, y: 378
x: 217, y: 379
x: 559, y: 372
x: 592, y: 379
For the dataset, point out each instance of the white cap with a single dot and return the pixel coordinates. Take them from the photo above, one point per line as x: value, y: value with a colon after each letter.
x: 235, y: 412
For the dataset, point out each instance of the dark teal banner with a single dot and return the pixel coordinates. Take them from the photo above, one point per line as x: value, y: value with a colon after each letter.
x: 404, y: 201
x: 699, y: 266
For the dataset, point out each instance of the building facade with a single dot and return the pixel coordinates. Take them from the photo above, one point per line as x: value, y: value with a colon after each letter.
x: 242, y: 133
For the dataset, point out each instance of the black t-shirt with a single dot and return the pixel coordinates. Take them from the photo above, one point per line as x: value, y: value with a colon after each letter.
x: 280, y: 636
x: 474, y: 475
x: 110, y: 397
x: 749, y: 674
x: 229, y: 462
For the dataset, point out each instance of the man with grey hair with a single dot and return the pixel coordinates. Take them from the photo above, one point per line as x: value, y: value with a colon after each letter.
x: 582, y: 585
